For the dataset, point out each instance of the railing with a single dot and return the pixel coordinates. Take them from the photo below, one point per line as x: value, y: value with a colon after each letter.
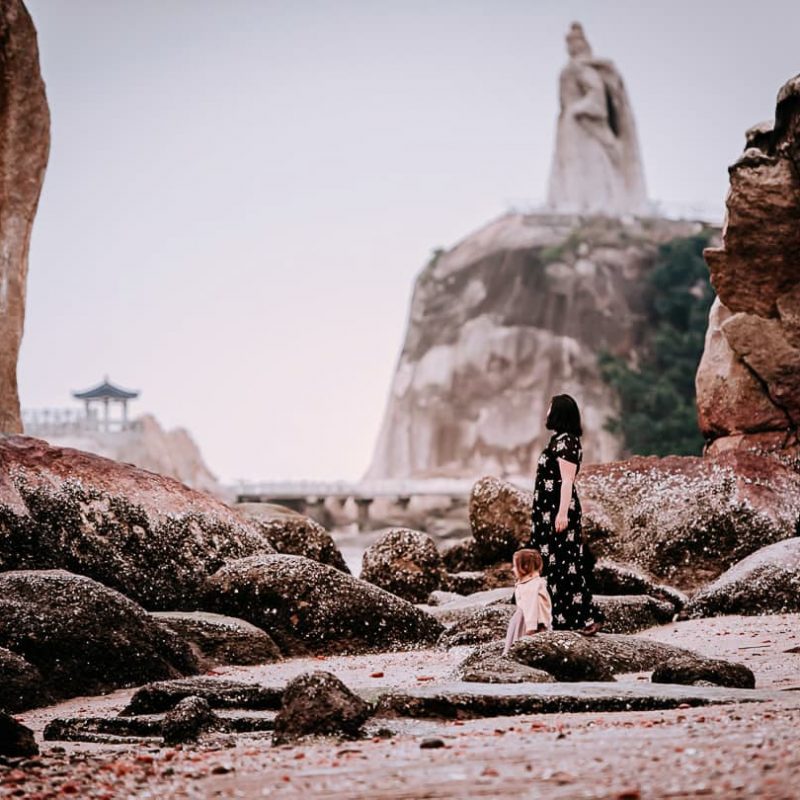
x: 65, y: 421
x: 377, y: 488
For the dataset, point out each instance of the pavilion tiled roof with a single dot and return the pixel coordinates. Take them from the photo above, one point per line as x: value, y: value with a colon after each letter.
x: 106, y: 390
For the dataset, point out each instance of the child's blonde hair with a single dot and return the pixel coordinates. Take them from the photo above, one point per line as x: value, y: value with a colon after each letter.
x: 527, y: 562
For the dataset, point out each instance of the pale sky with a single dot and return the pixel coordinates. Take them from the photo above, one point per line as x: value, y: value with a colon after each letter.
x: 241, y: 193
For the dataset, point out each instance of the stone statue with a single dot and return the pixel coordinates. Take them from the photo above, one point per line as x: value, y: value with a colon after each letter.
x: 596, y: 165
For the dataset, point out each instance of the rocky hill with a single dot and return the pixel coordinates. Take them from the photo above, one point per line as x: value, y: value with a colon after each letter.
x: 515, y: 313
x: 147, y: 445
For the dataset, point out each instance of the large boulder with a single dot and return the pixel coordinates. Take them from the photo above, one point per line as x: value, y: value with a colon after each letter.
x: 748, y: 381
x: 628, y: 613
x: 690, y: 670
x: 319, y: 704
x: 479, y: 625
x: 766, y: 582
x: 148, y: 536
x: 293, y: 534
x: 309, y: 607
x: 21, y: 684
x: 172, y: 452
x: 500, y: 517
x: 610, y: 578
x: 15, y: 739
x: 461, y: 556
x: 221, y: 640
x: 83, y: 637
x: 24, y: 148
x: 687, y: 519
x: 405, y: 563
x: 682, y: 519
x: 566, y: 655
x: 569, y: 656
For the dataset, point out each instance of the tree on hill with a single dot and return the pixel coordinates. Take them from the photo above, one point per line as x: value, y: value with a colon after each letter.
x: 658, y: 415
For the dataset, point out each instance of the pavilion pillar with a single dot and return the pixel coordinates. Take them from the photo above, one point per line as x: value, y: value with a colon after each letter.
x: 105, y: 414
x: 363, y: 504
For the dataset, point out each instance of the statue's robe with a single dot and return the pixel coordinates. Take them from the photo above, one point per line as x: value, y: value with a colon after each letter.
x: 596, y: 165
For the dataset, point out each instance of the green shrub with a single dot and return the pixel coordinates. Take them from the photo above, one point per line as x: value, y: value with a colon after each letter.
x: 658, y: 415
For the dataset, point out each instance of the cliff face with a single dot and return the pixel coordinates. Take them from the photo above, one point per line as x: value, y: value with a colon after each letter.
x: 24, y: 147
x: 516, y: 313
x: 171, y: 453
x: 748, y: 382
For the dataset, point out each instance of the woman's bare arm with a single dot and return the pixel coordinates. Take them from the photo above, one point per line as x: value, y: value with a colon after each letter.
x: 568, y: 470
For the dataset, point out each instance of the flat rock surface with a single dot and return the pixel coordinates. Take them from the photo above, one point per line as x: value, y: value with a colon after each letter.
x: 463, y: 700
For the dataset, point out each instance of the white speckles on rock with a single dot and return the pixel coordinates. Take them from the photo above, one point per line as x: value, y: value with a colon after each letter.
x: 404, y: 562
x: 309, y: 607
x: 148, y: 536
x: 85, y: 638
x: 766, y: 582
x: 682, y: 519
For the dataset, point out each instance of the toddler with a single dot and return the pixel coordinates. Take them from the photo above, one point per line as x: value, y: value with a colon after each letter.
x: 534, y: 608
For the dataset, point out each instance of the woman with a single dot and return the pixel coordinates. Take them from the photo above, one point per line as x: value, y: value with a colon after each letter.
x: 556, y: 521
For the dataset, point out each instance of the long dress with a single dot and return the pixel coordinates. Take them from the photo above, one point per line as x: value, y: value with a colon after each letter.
x: 562, y: 553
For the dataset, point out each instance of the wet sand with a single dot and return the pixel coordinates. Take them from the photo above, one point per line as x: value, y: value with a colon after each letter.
x: 742, y: 751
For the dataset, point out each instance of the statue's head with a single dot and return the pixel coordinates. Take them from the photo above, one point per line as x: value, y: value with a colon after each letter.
x: 577, y: 46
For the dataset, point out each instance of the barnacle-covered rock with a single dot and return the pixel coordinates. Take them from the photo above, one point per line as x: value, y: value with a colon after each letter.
x: 500, y: 517
x: 766, y: 582
x: 628, y: 613
x: 566, y: 655
x: 83, y: 637
x: 487, y: 664
x: 319, y: 704
x: 610, y: 578
x: 461, y: 556
x: 465, y: 583
x: 690, y: 670
x: 21, y: 684
x: 683, y: 519
x: 159, y: 696
x: 293, y: 534
x: 220, y: 639
x: 405, y: 563
x: 16, y: 739
x: 148, y: 536
x: 479, y: 625
x: 308, y: 607
x: 569, y: 656
x: 190, y: 718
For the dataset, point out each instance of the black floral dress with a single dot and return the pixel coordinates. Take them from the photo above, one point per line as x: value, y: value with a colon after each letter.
x: 562, y: 553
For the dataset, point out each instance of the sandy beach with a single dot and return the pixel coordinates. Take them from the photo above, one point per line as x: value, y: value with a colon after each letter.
x: 745, y: 750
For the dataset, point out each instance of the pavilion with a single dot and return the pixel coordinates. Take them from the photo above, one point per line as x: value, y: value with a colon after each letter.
x: 107, y: 393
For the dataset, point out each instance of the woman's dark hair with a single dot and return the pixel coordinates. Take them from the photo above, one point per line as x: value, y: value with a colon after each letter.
x: 564, y: 416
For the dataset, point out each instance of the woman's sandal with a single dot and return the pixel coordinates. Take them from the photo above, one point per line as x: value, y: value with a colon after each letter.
x: 591, y: 630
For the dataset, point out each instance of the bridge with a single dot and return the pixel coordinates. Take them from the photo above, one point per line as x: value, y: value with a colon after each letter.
x: 305, y: 496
